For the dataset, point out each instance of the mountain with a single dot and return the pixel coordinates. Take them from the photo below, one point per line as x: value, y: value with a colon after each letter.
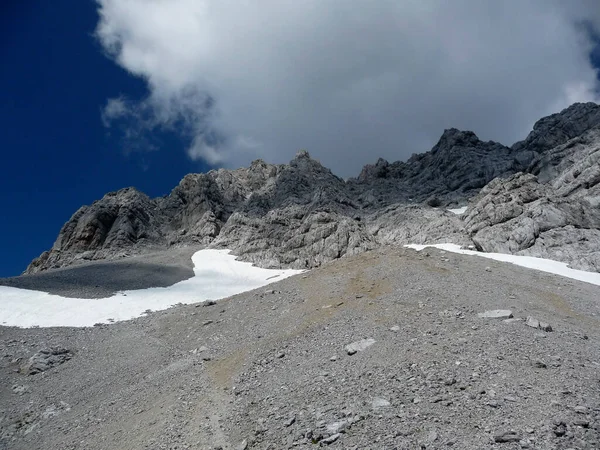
x: 382, y: 349
x: 539, y: 197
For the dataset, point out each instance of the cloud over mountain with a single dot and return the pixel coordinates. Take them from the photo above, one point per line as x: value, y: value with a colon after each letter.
x: 350, y: 81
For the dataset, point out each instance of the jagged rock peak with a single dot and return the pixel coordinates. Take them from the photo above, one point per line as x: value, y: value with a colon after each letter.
x: 374, y: 171
x: 459, y: 164
x: 586, y: 113
x: 454, y: 137
x: 558, y: 128
x: 125, y: 194
x: 304, y: 163
x: 302, y: 154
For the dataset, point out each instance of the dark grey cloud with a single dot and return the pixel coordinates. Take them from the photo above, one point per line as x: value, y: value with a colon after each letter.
x: 349, y: 81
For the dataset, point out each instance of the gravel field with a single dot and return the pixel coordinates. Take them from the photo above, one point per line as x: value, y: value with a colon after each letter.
x: 274, y: 369
x: 101, y: 279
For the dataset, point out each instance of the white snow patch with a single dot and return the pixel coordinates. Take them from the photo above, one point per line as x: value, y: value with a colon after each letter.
x: 544, y: 265
x: 458, y: 211
x: 216, y: 275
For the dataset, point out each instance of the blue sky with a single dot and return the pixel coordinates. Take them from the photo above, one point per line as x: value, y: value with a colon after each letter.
x: 57, y: 153
x: 349, y: 81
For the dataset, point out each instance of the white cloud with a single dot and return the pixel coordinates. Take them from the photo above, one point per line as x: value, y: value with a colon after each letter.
x: 349, y: 81
x: 115, y: 109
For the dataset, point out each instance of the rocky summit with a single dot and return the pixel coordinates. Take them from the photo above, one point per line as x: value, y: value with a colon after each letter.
x: 540, y: 197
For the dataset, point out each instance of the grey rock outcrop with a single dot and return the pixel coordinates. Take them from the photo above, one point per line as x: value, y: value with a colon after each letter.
x: 46, y: 359
x: 555, y: 214
x: 555, y: 130
x: 458, y: 165
x: 541, y: 197
x: 112, y: 227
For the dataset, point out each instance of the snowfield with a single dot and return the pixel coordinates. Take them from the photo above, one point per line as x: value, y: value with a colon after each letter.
x: 458, y: 211
x: 216, y: 275
x: 544, y: 265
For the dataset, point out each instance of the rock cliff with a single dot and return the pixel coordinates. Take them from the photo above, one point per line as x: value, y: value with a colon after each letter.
x: 539, y: 197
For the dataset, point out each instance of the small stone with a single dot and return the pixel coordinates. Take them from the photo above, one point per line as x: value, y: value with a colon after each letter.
x: 581, y: 423
x: 395, y: 328
x: 333, y: 358
x: 496, y: 314
x: 242, y: 445
x: 507, y: 436
x: 488, y: 269
x: 290, y: 421
x: 581, y: 409
x: 338, y: 427
x: 539, y: 364
x: 525, y: 443
x: 331, y: 439
x: 19, y: 389
x: 560, y: 428
x: 209, y: 303
x: 534, y: 323
x: 359, y: 346
x: 432, y: 436
x: 379, y: 403
x: 531, y: 322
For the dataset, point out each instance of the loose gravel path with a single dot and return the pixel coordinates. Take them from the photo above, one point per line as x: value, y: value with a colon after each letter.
x: 270, y: 369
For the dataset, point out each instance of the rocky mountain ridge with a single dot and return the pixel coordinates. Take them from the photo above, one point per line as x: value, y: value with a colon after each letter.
x: 539, y: 197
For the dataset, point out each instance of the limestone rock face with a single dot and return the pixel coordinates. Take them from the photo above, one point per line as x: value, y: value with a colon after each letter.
x: 555, y: 214
x: 459, y: 165
x: 111, y: 227
x: 557, y: 129
x: 540, y: 197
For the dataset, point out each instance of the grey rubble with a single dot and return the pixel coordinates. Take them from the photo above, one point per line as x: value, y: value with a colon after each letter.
x: 539, y: 197
x: 270, y: 370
